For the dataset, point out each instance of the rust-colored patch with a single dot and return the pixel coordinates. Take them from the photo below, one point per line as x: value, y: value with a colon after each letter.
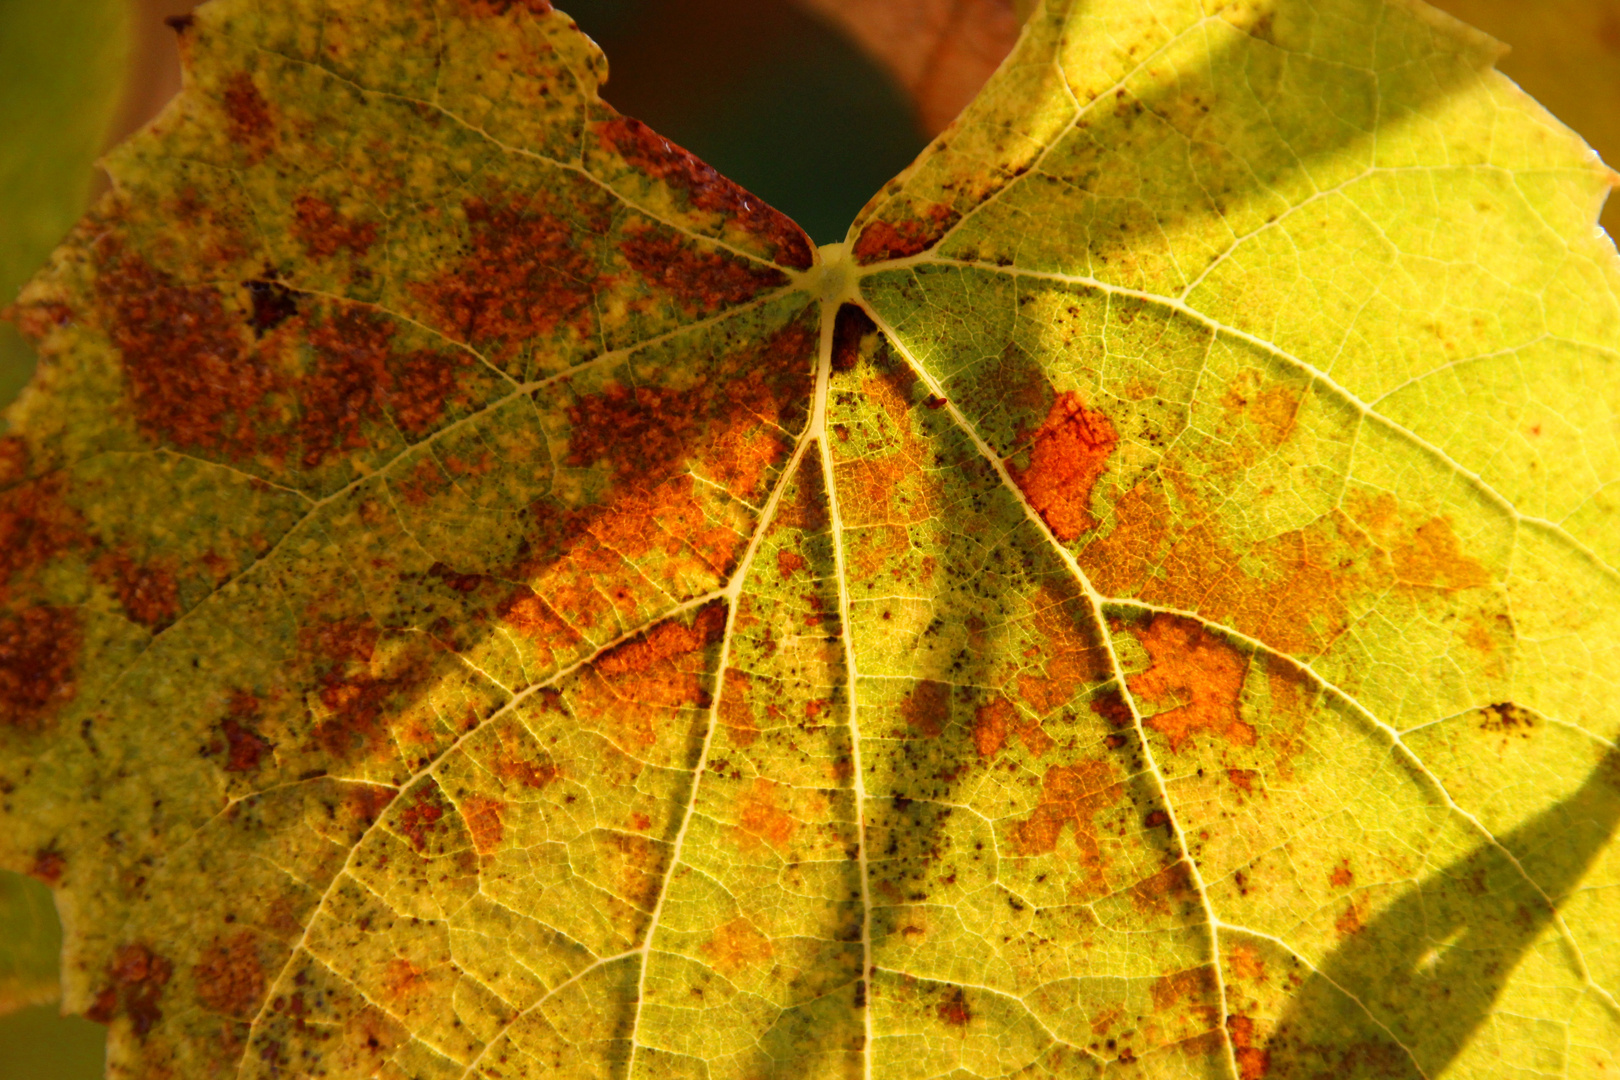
x: 523, y: 275
x: 904, y: 237
x: 1244, y: 962
x: 701, y: 281
x: 1070, y: 795
x: 1196, y: 985
x: 39, y: 658
x: 1162, y: 892
x: 346, y: 387
x: 1070, y: 653
x: 358, y: 692
x: 1432, y: 558
x: 1272, y: 409
x: 245, y: 747
x: 1243, y: 779
x: 1253, y: 1061
x: 663, y: 670
x: 850, y: 327
x: 229, y: 976
x: 248, y: 115
x: 1341, y: 875
x: 403, y: 979
x: 736, y: 715
x: 1197, y: 672
x: 48, y: 865
x: 483, y: 817
x: 926, y: 707
x: 1350, y: 922
x: 149, y: 593
x: 789, y: 563
x: 1067, y: 455
x: 661, y: 159
x: 422, y: 816
x: 954, y: 1010
x: 737, y: 945
x: 760, y: 818
x: 324, y: 231
x: 136, y: 978
x: 995, y: 720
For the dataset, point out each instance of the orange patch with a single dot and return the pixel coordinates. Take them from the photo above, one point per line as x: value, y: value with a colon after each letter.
x: 229, y: 976
x: 789, y: 563
x: 1245, y: 963
x: 403, y: 979
x: 1071, y: 655
x: 1350, y: 922
x: 1253, y: 1062
x: 993, y: 722
x: 1067, y: 455
x: 1196, y: 985
x: 1164, y: 891
x: 760, y: 818
x: 422, y: 816
x: 244, y: 746
x: 904, y: 237
x: 1197, y: 671
x: 736, y: 715
x: 248, y: 115
x: 483, y: 816
x: 1341, y: 875
x: 1070, y: 795
x: 1243, y: 779
x: 48, y: 866
x: 661, y: 669
x: 927, y: 707
x: 737, y: 945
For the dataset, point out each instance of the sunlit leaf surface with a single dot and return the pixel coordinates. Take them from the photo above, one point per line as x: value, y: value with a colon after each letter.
x: 484, y: 597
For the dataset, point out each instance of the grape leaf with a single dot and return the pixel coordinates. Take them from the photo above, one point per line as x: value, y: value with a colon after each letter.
x: 483, y: 597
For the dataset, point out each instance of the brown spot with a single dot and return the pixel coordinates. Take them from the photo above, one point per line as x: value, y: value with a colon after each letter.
x: 1070, y: 795
x: 1067, y: 455
x: 789, y: 563
x: 39, y: 656
x: 701, y: 281
x: 736, y: 945
x: 760, y: 818
x: 1505, y: 718
x: 1272, y: 409
x: 245, y: 747
x: 403, y: 979
x: 1243, y: 779
x: 490, y: 8
x: 954, y: 1009
x: 523, y: 275
x: 136, y: 978
x: 1163, y: 891
x: 1245, y: 963
x: 1350, y: 922
x: 926, y: 707
x: 994, y: 721
x: 735, y: 713
x: 904, y: 237
x: 1197, y: 672
x: 1253, y: 1062
x: 358, y: 692
x: 850, y: 326
x: 1341, y: 875
x: 1432, y: 558
x: 1070, y: 652
x: 324, y: 231
x: 1111, y: 706
x: 1195, y: 985
x: 422, y: 816
x: 229, y: 976
x: 48, y: 865
x: 706, y: 189
x: 483, y: 817
x: 148, y: 591
x: 179, y: 23
x: 248, y: 115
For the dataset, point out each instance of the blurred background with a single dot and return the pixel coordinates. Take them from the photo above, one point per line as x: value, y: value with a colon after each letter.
x: 810, y: 104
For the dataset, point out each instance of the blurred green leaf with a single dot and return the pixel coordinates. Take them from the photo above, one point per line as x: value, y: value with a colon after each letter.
x: 61, y: 68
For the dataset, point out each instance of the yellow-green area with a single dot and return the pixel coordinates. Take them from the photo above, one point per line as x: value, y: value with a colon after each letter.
x: 1146, y: 604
